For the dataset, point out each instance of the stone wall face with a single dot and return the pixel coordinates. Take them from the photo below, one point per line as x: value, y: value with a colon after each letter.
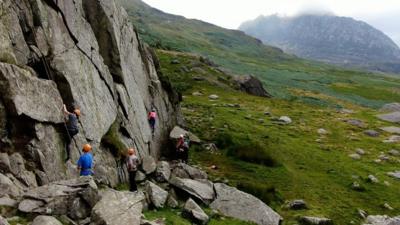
x: 82, y: 53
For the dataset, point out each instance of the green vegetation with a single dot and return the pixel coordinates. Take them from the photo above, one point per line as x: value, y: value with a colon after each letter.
x: 278, y: 162
x: 113, y: 141
x: 174, y: 217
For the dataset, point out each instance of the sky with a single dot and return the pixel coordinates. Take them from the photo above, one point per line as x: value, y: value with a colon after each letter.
x: 382, y: 14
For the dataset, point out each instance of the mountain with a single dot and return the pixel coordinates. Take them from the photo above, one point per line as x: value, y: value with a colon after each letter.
x: 328, y: 38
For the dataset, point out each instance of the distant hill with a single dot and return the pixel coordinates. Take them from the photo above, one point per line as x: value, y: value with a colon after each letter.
x: 327, y: 38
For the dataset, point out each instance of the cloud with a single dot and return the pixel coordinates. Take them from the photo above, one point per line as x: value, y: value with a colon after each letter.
x: 314, y: 8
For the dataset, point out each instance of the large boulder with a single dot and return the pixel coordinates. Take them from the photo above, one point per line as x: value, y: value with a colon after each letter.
x: 116, y: 208
x: 251, y: 85
x: 199, y: 189
x: 58, y: 198
x: 393, y: 117
x: 183, y: 170
x: 178, y: 131
x: 194, y: 212
x: 237, y: 204
x: 45, y: 220
x: 149, y: 164
x: 156, y: 195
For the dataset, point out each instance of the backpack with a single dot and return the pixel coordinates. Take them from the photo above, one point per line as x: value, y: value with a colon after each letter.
x: 186, y: 143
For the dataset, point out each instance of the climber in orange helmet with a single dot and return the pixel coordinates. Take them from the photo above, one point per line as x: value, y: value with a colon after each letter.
x: 85, y: 161
x: 132, y: 163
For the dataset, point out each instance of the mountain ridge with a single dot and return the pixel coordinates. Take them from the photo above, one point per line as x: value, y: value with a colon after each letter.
x: 332, y: 39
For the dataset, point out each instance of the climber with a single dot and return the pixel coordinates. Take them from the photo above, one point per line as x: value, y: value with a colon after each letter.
x: 71, y: 121
x: 186, y: 145
x: 132, y: 162
x: 152, y: 119
x: 180, y: 148
x: 85, y: 161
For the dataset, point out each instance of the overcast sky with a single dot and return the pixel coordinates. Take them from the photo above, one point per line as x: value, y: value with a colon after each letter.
x: 382, y: 14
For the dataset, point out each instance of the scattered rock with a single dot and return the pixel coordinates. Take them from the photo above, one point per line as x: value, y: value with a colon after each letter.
x: 163, y: 172
x: 196, y: 78
x: 387, y: 206
x: 285, y: 119
x: 45, y: 220
x: 393, y: 117
x: 297, y: 204
x: 356, y: 122
x: 392, y: 130
x: 197, y: 93
x: 237, y: 204
x: 175, y: 61
x: 267, y: 113
x: 355, y: 156
x: 373, y: 179
x: 382, y: 220
x: 211, y: 147
x: 8, y: 202
x: 200, y: 189
x: 157, y: 195
x: 308, y: 220
x: 117, y: 208
x: 363, y: 214
x: 384, y: 157
x: 155, y: 222
x: 194, y: 212
x: 251, y: 85
x: 386, y: 183
x: 357, y: 187
x: 149, y: 164
x: 213, y: 97
x: 360, y: 151
x: 322, y: 131
x: 346, y: 111
x: 177, y: 131
x: 391, y: 107
x: 395, y: 174
x: 371, y: 133
x: 392, y: 139
x: 394, y: 152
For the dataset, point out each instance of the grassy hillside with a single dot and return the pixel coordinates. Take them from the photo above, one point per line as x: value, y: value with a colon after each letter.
x: 282, y: 74
x: 278, y: 162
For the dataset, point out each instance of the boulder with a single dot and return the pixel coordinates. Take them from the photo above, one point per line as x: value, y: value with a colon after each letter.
x: 183, y: 170
x: 382, y: 220
x: 8, y: 187
x: 57, y: 198
x: 356, y: 123
x: 372, y: 133
x: 213, y: 97
x: 394, y: 152
x: 28, y: 95
x: 360, y: 151
x: 392, y: 130
x: 372, y: 178
x: 355, y: 156
x: 309, y: 220
x: 285, y: 119
x: 140, y: 176
x: 156, y: 195
x: 45, y: 220
x: 116, y: 208
x: 200, y: 189
x: 251, y: 85
x: 237, y: 204
x: 393, y: 117
x: 194, y: 212
x: 392, y: 139
x: 177, y: 131
x: 163, y: 171
x: 79, y: 209
x: 297, y: 204
x: 395, y: 174
x: 8, y: 202
x: 149, y: 164
x: 390, y: 107
x: 322, y: 131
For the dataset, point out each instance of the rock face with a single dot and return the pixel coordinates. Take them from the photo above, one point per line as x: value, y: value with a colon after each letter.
x: 251, y: 85
x: 237, y: 204
x: 116, y: 208
x: 84, y: 54
x: 328, y: 38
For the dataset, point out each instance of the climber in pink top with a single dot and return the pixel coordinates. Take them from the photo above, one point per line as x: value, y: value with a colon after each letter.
x: 152, y: 119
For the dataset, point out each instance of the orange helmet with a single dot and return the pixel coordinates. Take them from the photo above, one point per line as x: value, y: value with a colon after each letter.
x: 77, y: 112
x: 87, y: 148
x: 131, y: 151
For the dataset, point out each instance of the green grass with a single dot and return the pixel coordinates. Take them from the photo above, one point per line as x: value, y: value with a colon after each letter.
x: 306, y: 165
x: 172, y: 216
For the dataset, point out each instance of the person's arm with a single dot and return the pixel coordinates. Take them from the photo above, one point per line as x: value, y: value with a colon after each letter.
x: 79, y: 165
x: 66, y: 111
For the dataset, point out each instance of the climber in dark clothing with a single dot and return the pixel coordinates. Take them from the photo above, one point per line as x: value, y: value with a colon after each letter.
x: 132, y: 163
x: 71, y: 121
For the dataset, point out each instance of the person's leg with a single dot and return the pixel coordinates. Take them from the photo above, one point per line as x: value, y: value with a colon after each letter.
x: 132, y: 182
x: 68, y: 146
